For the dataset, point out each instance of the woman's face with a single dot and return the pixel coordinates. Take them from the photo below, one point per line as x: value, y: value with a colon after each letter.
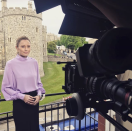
x: 24, y: 48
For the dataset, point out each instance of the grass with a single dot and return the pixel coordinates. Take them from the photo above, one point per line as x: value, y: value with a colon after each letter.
x: 52, y: 83
x: 53, y: 54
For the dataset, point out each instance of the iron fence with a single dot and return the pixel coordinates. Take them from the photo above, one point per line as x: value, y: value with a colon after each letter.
x: 53, y: 117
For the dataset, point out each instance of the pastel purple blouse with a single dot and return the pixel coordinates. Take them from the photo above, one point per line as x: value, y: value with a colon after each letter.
x: 21, y: 75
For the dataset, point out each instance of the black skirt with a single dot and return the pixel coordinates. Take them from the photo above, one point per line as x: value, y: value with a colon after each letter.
x: 26, y: 117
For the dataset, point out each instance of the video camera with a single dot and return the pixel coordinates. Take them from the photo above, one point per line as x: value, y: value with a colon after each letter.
x: 92, y: 77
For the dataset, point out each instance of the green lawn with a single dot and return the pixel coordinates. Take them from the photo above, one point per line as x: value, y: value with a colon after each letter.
x: 53, y: 54
x: 52, y: 82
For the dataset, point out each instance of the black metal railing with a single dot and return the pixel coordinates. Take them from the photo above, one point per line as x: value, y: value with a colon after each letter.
x: 53, y: 116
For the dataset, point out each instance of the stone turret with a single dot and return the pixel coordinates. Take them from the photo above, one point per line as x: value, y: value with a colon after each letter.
x: 16, y: 22
x: 30, y: 5
x: 4, y: 3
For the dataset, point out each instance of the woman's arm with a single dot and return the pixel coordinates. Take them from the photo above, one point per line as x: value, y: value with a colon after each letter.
x: 41, y: 90
x: 119, y: 12
x: 8, y: 85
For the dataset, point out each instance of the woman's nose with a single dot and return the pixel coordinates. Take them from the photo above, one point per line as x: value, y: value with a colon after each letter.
x: 26, y: 48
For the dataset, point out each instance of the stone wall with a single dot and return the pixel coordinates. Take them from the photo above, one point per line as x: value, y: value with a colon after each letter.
x: 44, y: 41
x: 20, y: 11
x: 3, y: 51
x: 56, y: 59
x: 52, y: 37
x: 0, y: 13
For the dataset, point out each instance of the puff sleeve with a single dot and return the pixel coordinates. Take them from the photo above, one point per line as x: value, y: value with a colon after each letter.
x: 40, y: 90
x: 8, y: 86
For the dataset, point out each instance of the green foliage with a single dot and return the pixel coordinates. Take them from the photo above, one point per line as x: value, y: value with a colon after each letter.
x: 78, y: 44
x: 57, y: 42
x: 76, y: 41
x: 51, y: 47
x: 71, y: 45
x: 63, y: 40
x: 86, y: 42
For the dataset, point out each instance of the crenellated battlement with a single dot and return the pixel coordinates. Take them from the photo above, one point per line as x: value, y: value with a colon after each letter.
x: 21, y: 11
x: 51, y: 34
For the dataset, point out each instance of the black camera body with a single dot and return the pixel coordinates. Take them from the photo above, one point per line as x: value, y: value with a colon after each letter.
x: 92, y: 78
x: 110, y: 55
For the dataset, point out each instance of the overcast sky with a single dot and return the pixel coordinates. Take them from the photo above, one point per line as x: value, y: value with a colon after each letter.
x: 52, y: 18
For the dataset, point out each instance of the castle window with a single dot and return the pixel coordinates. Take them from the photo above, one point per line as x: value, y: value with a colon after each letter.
x: 24, y: 17
x: 36, y: 29
x: 10, y: 39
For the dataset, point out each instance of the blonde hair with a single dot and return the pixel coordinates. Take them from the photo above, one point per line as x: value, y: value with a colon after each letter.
x: 20, y: 39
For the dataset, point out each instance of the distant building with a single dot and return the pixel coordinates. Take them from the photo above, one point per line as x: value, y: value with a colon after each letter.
x: 60, y: 49
x: 52, y: 37
x: 92, y: 41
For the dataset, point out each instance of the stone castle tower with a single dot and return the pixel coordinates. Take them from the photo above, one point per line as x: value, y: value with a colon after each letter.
x: 18, y: 22
x: 52, y: 37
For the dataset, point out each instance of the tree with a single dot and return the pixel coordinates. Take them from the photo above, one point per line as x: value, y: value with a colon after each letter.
x: 66, y: 39
x: 63, y: 40
x: 51, y: 47
x: 57, y: 42
x: 77, y: 45
x: 71, y: 46
x: 86, y: 42
x: 83, y: 40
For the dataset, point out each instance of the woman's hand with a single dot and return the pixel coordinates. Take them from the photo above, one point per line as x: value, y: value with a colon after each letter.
x: 37, y: 99
x: 29, y: 99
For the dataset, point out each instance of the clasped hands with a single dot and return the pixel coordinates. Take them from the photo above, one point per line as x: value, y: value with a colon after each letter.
x: 31, y: 100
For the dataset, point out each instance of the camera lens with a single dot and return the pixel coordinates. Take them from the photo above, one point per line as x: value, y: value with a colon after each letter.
x: 71, y: 107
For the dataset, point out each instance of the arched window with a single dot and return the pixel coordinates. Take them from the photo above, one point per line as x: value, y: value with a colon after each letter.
x: 36, y: 29
x: 10, y: 39
x: 24, y: 17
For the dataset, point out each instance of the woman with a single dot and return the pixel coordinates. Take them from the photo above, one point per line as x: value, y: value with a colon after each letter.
x: 21, y: 83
